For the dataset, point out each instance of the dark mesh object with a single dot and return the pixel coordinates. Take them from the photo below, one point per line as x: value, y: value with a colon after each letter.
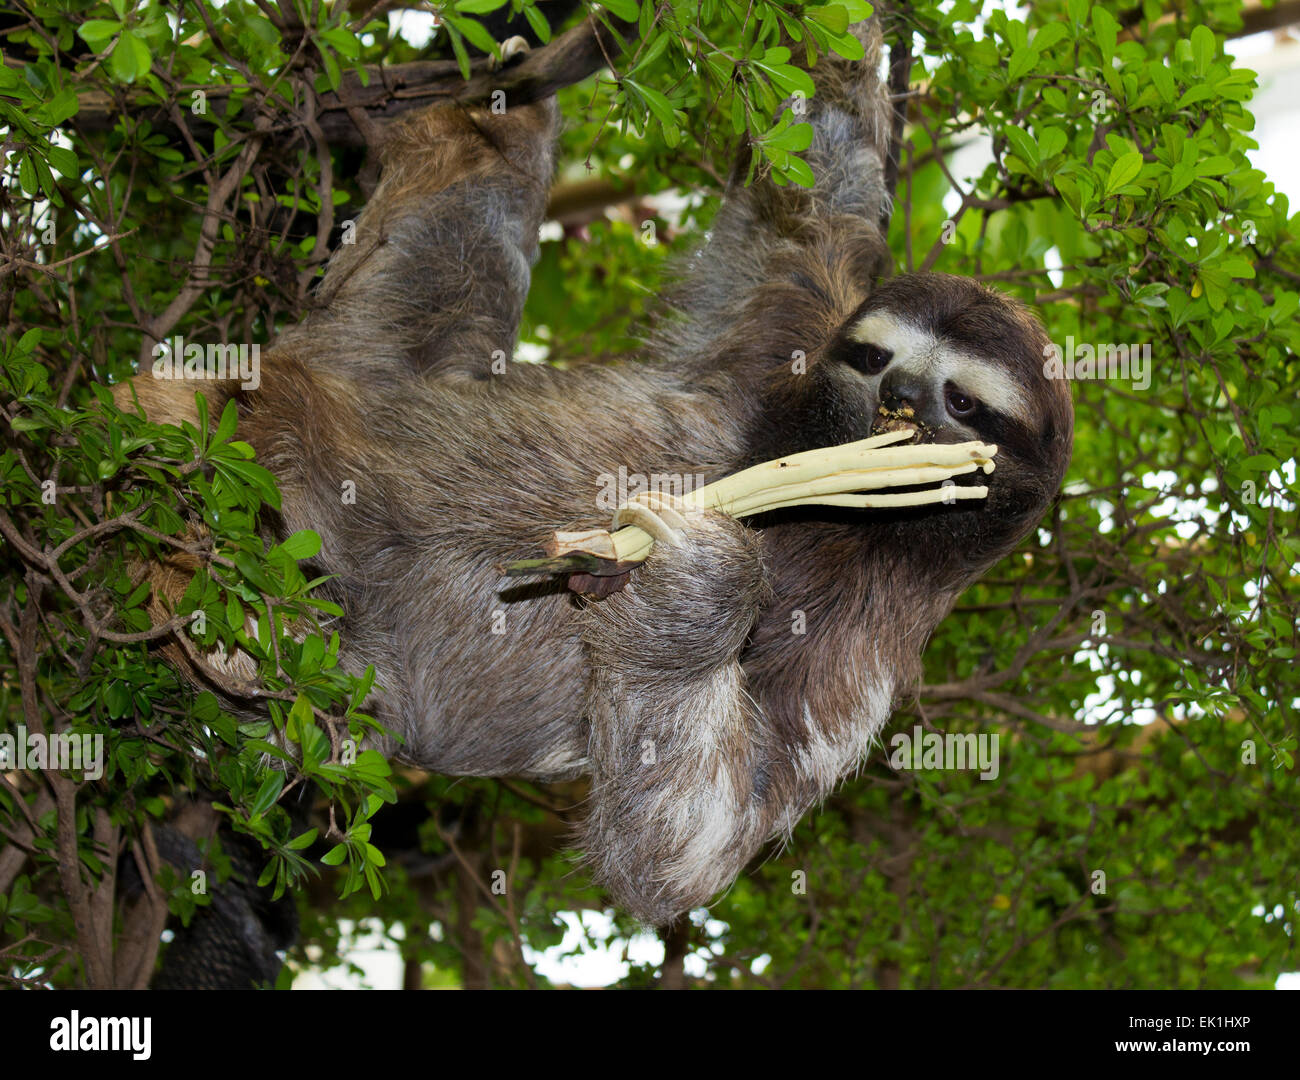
x: 232, y: 943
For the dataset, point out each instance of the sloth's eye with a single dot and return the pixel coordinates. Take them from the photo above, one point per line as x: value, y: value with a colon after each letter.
x: 959, y: 405
x: 872, y: 359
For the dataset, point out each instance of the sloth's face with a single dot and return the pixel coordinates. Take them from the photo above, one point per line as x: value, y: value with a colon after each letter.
x: 920, y: 382
x: 952, y: 362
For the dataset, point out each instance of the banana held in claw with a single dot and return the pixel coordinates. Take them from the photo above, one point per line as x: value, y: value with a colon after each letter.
x: 829, y: 476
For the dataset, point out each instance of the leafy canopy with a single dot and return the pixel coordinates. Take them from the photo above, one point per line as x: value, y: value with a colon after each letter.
x: 167, y: 172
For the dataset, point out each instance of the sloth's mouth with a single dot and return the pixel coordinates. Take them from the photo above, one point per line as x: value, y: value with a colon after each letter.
x: 901, y: 419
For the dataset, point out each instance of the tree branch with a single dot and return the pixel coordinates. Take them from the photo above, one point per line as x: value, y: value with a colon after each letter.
x: 390, y: 91
x: 900, y: 70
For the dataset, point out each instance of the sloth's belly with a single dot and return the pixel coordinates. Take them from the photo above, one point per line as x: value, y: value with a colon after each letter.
x: 492, y: 684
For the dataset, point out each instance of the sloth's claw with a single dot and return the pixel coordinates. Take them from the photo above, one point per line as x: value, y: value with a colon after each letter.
x: 657, y: 513
x: 510, y: 48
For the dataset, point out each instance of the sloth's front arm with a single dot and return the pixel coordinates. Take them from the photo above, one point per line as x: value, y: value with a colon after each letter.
x: 676, y: 741
x: 690, y: 773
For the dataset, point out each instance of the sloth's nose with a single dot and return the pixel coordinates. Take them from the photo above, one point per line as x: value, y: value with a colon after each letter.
x: 900, y: 388
x: 902, y: 392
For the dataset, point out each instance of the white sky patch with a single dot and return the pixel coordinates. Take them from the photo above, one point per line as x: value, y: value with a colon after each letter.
x: 673, y: 205
x: 414, y: 27
x: 1276, y: 107
x: 1288, y: 980
x: 599, y: 956
x: 531, y: 352
x: 377, y: 954
x: 602, y: 959
x: 605, y: 958
x: 1191, y: 515
x: 1055, y: 266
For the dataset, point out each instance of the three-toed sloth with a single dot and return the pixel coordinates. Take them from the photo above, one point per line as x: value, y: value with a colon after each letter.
x: 737, y: 678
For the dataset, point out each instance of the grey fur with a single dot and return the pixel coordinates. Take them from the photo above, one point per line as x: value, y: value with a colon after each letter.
x: 458, y: 471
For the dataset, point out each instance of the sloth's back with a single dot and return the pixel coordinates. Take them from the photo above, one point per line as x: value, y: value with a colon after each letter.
x: 445, y: 481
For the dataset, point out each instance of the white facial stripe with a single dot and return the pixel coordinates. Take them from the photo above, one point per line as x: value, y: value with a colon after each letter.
x: 984, y: 383
x: 919, y: 353
x: 900, y: 338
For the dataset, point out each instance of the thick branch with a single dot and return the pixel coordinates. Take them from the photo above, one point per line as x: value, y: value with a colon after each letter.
x: 900, y: 70
x: 1256, y: 18
x: 400, y: 88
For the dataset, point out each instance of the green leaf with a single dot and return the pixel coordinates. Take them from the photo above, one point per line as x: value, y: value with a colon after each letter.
x: 1203, y: 48
x: 834, y: 17
x: 1193, y: 94
x: 252, y: 571
x: 1105, y: 30
x: 658, y: 104
x: 795, y: 138
x: 226, y: 425
x: 1163, y: 80
x: 1021, y: 63
x: 1180, y: 177
x: 27, y: 174
x: 333, y: 78
x: 797, y: 170
x: 117, y: 699
x: 788, y: 77
x: 652, y: 52
x: 1047, y: 36
x: 94, y: 32
x: 44, y: 178
x: 1126, y: 169
x: 64, y: 160
x: 457, y: 47
x: 345, y: 41
x: 234, y: 612
x: 847, y: 45
x: 1215, y: 166
x: 267, y: 793
x: 539, y: 24
x: 304, y: 544
x: 1237, y: 266
x: 478, y: 36
x: 1023, y: 144
x: 130, y: 57
x: 304, y: 840
x: 1051, y: 142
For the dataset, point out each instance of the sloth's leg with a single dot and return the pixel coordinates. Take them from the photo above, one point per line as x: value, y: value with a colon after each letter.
x: 696, y: 758
x: 433, y: 277
x: 678, y: 749
x: 788, y: 256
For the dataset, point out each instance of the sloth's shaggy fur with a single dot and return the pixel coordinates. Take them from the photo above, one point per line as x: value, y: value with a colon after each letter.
x: 737, y: 679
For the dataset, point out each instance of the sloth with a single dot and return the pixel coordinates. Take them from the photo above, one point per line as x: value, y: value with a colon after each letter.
x: 736, y: 679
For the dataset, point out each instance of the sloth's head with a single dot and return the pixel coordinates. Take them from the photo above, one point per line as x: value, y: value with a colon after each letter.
x: 953, y: 361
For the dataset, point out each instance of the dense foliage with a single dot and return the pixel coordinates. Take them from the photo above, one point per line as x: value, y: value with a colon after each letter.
x: 168, y: 170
